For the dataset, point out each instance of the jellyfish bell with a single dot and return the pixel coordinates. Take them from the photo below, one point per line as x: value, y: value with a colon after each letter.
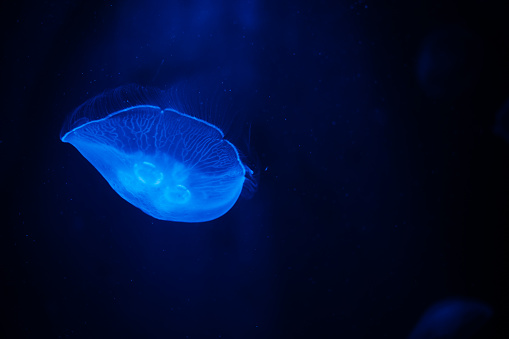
x: 163, y: 151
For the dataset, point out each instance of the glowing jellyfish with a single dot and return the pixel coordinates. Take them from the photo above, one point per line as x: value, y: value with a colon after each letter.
x: 170, y: 164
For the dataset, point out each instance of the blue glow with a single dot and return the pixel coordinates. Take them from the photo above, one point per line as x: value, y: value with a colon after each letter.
x: 172, y: 165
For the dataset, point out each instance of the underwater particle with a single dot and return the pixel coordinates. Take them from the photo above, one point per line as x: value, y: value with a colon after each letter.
x: 452, y: 319
x: 172, y: 165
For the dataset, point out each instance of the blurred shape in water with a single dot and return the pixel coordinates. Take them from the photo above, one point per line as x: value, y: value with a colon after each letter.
x: 452, y: 319
x: 449, y: 62
x: 501, y: 127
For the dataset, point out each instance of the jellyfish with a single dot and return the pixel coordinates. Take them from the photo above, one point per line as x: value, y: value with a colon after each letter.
x: 159, y: 153
x: 456, y: 318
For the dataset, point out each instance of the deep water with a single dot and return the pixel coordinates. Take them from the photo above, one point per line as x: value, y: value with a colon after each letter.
x: 377, y: 132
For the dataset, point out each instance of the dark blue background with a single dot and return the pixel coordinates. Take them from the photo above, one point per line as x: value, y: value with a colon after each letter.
x: 382, y: 186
